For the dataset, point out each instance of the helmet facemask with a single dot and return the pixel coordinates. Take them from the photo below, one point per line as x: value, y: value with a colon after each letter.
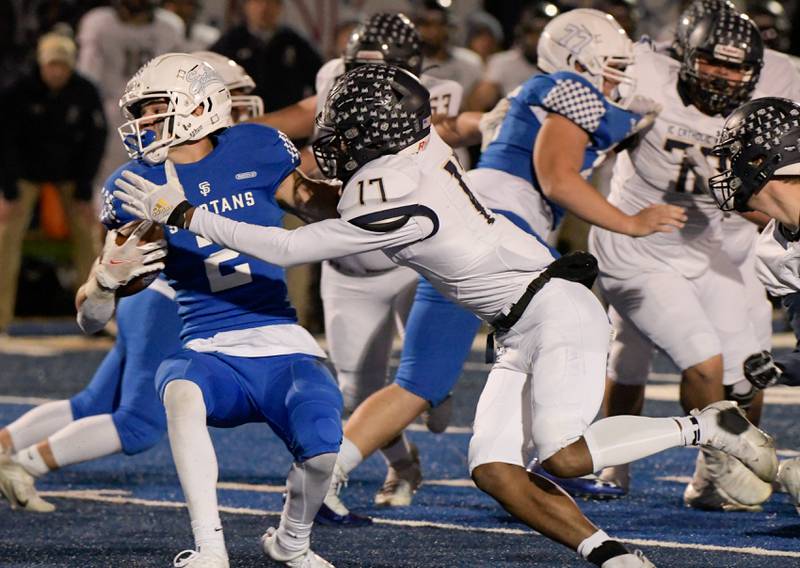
x: 714, y: 93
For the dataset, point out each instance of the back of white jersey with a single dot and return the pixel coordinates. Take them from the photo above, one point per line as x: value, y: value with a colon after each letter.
x: 657, y: 171
x: 111, y: 51
x: 446, y: 98
x: 481, y: 260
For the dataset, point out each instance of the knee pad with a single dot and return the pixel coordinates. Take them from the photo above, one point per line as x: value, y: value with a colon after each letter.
x: 314, y: 407
x: 136, y: 432
x: 182, y: 398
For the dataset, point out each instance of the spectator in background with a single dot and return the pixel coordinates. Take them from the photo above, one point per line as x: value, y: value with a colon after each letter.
x: 507, y: 70
x: 198, y: 36
x: 283, y: 64
x: 115, y: 41
x: 53, y: 131
x: 440, y: 59
x: 484, y: 34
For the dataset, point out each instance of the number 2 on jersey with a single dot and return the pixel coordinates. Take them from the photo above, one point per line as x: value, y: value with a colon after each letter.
x: 218, y: 281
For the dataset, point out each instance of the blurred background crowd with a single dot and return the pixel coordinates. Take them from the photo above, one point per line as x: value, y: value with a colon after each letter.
x: 64, y: 65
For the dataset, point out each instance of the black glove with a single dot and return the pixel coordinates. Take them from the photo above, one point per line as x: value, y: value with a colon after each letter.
x: 760, y: 369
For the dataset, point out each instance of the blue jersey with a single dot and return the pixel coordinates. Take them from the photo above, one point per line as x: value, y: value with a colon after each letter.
x: 218, y: 289
x: 569, y: 95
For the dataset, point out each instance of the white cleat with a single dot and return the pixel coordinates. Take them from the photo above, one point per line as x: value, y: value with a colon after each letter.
x: 402, y: 481
x: 636, y: 559
x: 17, y: 485
x: 200, y: 559
x: 725, y: 427
x: 722, y: 483
x: 306, y: 559
x: 789, y: 476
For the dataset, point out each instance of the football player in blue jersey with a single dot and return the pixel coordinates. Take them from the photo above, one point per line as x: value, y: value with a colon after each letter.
x: 119, y: 409
x: 556, y: 128
x: 244, y: 357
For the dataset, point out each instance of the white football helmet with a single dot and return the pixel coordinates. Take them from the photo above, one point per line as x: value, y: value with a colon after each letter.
x: 184, y: 83
x: 596, y: 41
x: 244, y: 105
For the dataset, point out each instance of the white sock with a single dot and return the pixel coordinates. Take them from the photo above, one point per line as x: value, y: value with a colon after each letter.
x: 39, y: 422
x: 592, y: 542
x: 306, y: 487
x: 195, y: 460
x: 209, y: 536
x: 399, y: 452
x: 32, y: 461
x: 623, y: 439
x: 85, y: 439
x: 349, y: 456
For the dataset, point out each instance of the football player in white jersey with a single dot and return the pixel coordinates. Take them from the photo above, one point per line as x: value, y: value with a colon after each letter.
x: 115, y: 41
x: 366, y: 297
x: 759, y: 142
x: 545, y: 389
x: 673, y: 290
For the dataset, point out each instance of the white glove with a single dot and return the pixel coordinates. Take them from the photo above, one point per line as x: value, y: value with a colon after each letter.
x: 146, y: 200
x: 647, y: 108
x: 700, y: 166
x: 119, y: 264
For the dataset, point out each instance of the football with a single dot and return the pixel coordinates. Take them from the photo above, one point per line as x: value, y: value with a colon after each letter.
x: 139, y: 283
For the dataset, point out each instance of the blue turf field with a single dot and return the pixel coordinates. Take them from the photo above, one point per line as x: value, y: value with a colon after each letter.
x: 127, y: 511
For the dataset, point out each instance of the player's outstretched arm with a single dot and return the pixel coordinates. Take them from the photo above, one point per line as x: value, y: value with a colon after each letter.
x: 296, y: 121
x: 319, y: 241
x: 116, y: 266
x: 558, y: 158
x: 461, y: 130
x: 309, y: 199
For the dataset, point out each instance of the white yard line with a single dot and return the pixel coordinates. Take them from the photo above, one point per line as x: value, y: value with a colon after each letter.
x: 123, y: 498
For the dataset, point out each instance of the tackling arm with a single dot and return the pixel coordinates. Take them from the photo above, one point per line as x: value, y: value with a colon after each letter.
x: 326, y: 239
x: 458, y: 131
x: 296, y: 121
x: 558, y: 158
x: 309, y: 199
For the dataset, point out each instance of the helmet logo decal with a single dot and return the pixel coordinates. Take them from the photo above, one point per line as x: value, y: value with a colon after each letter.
x: 575, y: 38
x: 199, y: 78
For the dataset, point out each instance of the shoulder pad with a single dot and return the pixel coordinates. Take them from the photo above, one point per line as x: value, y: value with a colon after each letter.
x: 575, y: 99
x: 268, y: 140
x: 327, y: 75
x: 375, y: 194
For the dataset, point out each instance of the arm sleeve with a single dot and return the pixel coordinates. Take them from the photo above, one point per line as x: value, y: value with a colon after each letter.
x: 327, y: 239
x: 97, y: 309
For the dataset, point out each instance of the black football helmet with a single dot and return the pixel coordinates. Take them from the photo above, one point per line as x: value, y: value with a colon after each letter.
x: 725, y: 38
x: 760, y: 139
x: 387, y: 38
x: 689, y: 17
x: 371, y: 111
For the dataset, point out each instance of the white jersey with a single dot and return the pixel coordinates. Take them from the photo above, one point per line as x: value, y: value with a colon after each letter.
x: 417, y: 209
x: 111, y: 51
x: 446, y: 98
x: 657, y: 171
x: 201, y: 37
x: 778, y: 261
x: 509, y: 69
